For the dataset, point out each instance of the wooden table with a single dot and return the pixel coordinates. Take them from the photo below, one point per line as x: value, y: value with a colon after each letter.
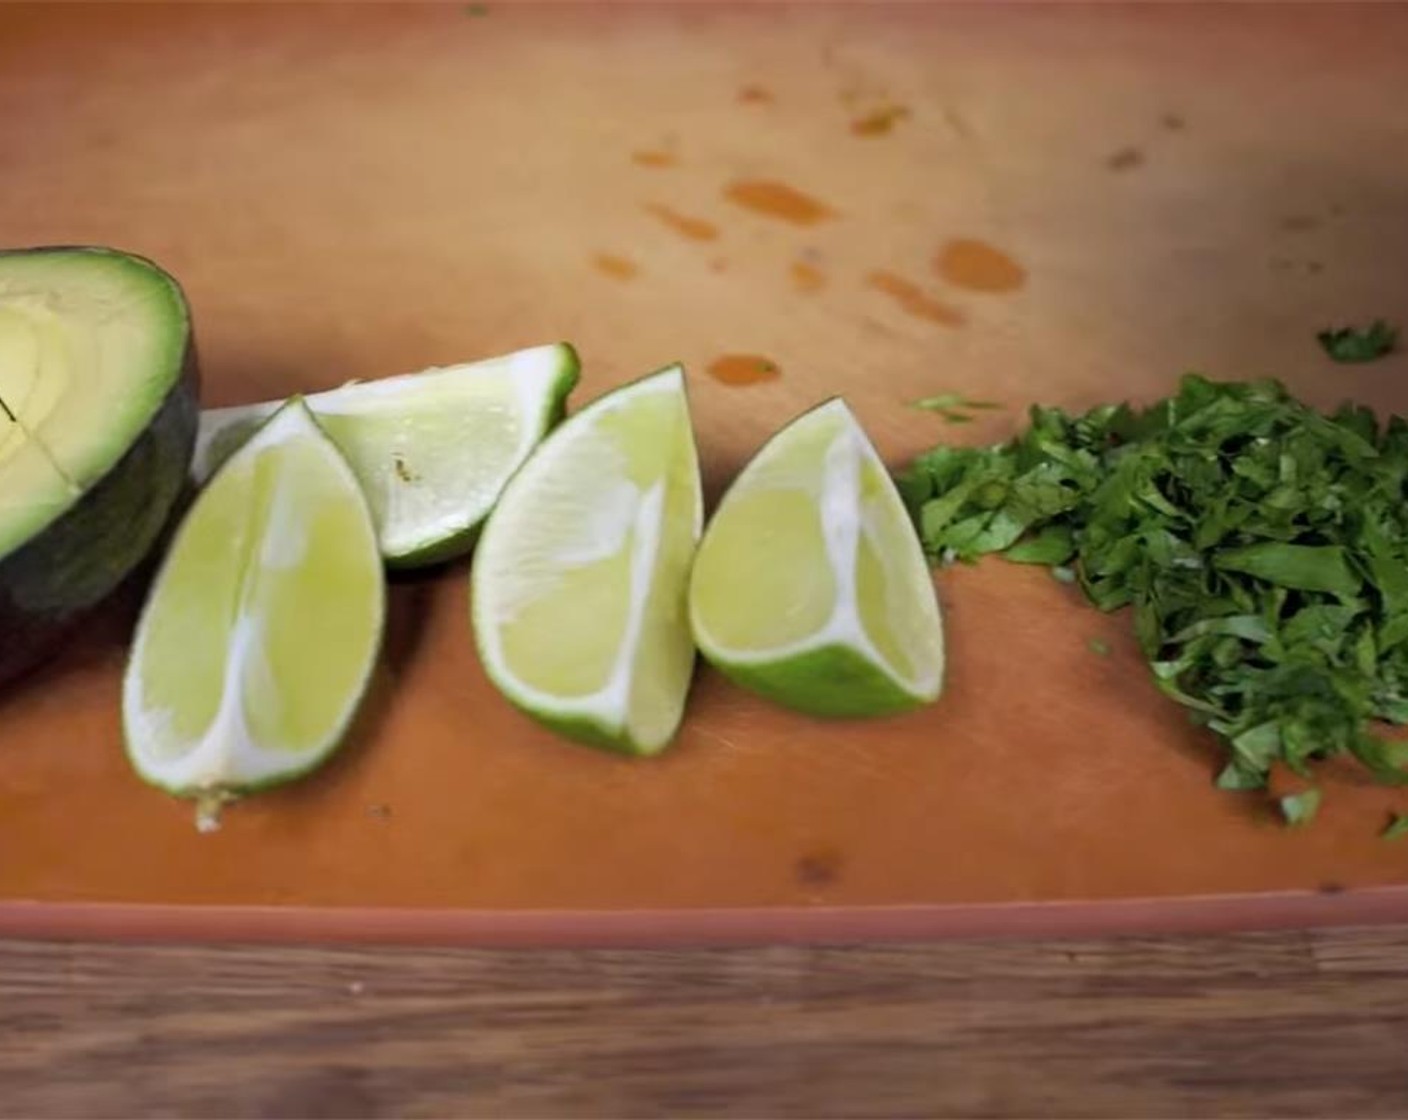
x: 1303, y: 1024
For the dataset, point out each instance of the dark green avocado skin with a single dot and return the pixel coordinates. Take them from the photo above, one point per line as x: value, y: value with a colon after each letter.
x: 53, y: 582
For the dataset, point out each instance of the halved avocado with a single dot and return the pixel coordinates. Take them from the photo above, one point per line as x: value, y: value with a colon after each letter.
x: 98, y: 413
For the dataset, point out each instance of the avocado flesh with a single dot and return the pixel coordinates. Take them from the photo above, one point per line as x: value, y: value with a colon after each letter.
x: 33, y: 491
x: 90, y: 343
x: 98, y: 409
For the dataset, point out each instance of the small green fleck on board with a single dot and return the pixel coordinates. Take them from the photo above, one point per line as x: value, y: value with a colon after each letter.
x: 1396, y: 828
x: 475, y: 10
x: 954, y: 408
x: 1300, y: 808
x: 1350, y: 344
x: 1099, y: 646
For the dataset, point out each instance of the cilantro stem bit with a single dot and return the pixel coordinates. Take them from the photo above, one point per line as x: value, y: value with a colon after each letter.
x: 1262, y: 547
x: 954, y: 408
x: 1350, y: 344
x: 1397, y: 827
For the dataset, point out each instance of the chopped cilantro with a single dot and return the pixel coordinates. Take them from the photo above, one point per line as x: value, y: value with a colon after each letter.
x: 1349, y: 344
x: 1262, y: 547
x: 1396, y: 827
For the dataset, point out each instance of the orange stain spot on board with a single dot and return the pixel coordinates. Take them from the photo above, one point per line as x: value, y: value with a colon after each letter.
x: 978, y: 266
x: 696, y: 229
x: 654, y: 157
x: 912, y: 299
x: 743, y: 369
x: 618, y: 268
x: 807, y: 277
x: 719, y: 264
x: 880, y: 121
x: 755, y: 95
x: 778, y: 200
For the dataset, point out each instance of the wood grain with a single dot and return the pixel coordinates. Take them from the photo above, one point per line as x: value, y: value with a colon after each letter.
x: 1298, y: 1024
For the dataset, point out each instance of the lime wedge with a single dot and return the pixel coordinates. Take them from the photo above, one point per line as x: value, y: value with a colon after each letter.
x: 810, y: 586
x: 432, y: 450
x: 579, y: 580
x: 259, y: 635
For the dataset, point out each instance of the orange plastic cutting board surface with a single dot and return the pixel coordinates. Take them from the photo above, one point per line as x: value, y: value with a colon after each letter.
x: 1016, y: 203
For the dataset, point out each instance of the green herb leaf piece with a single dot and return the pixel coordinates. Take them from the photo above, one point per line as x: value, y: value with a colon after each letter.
x: 1295, y: 566
x: 1300, y: 808
x: 1350, y: 344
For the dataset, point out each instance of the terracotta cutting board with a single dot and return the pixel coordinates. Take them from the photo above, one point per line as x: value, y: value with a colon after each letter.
x: 350, y: 192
